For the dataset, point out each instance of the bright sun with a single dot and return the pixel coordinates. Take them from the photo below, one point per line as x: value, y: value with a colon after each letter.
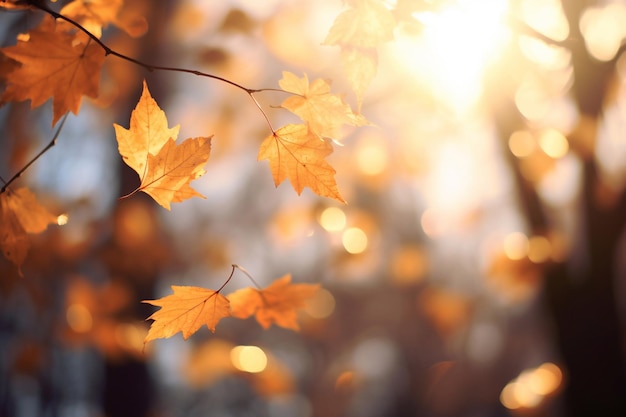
x: 457, y: 44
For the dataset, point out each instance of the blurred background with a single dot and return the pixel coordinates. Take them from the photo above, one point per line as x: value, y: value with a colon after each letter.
x: 477, y: 269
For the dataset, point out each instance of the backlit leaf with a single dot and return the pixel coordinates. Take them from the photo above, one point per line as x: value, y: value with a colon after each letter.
x: 359, y: 31
x: 188, y: 309
x: 366, y: 25
x: 297, y: 154
x: 315, y: 104
x: 276, y: 304
x: 360, y: 66
x: 53, y: 65
x: 149, y: 147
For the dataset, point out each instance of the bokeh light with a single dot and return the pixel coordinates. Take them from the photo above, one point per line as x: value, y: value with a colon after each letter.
x: 248, y: 358
x: 522, y: 143
x: 354, y: 240
x: 321, y: 305
x: 553, y: 143
x: 531, y: 387
x: 79, y: 318
x: 516, y: 246
x: 333, y: 219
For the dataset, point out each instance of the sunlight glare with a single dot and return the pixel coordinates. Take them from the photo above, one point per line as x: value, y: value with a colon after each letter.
x: 62, y: 219
x: 456, y: 45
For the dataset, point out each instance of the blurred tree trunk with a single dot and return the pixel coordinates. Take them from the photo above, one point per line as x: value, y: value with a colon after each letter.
x: 128, y: 387
x: 580, y: 292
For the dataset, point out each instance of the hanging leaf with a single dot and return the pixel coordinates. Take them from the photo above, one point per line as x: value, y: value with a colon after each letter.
x: 53, y: 65
x: 149, y: 148
x: 186, y: 311
x: 297, y: 154
x: 276, y: 304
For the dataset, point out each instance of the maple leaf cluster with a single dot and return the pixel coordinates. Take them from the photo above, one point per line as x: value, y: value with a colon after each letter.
x: 149, y: 148
x: 298, y: 152
x: 189, y: 308
x: 61, y: 60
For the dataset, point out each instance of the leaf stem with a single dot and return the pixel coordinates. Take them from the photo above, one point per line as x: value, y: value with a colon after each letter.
x: 242, y: 269
x: 44, y: 150
x: 232, y: 272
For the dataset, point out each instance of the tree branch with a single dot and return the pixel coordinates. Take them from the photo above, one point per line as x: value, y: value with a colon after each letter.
x: 44, y: 150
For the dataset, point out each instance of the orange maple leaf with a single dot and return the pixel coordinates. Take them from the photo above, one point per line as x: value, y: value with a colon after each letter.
x: 277, y: 303
x: 53, y: 65
x: 149, y: 148
x: 316, y: 105
x: 296, y: 153
x: 20, y: 214
x: 188, y: 309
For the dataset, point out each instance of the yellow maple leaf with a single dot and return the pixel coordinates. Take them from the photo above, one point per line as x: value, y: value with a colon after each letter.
x: 296, y: 153
x: 315, y: 104
x: 20, y: 214
x: 366, y: 25
x: 94, y: 15
x: 278, y: 303
x: 149, y: 148
x: 360, y: 66
x: 188, y: 309
x: 358, y: 31
x: 53, y: 65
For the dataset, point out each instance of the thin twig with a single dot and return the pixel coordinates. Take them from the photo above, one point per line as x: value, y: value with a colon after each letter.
x: 109, y: 51
x: 150, y: 67
x: 44, y: 150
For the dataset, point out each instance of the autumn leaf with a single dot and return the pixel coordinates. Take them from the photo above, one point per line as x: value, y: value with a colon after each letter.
x: 315, y: 104
x: 359, y: 31
x: 188, y: 309
x: 360, y: 66
x: 149, y: 148
x: 53, y: 65
x: 20, y: 214
x: 297, y: 154
x: 366, y: 25
x: 278, y: 303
